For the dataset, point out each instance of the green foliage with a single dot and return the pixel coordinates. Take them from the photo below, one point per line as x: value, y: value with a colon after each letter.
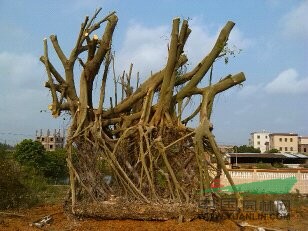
x: 19, y: 186
x: 305, y: 166
x: 161, y: 180
x: 262, y: 165
x: 24, y: 174
x: 4, y: 147
x: 279, y: 165
x: 31, y: 153
x: 274, y: 150
x: 246, y: 149
x: 54, y: 194
x: 51, y: 165
x: 55, y: 166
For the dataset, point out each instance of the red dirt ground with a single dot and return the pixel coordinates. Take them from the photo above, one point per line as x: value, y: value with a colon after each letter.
x: 62, y: 221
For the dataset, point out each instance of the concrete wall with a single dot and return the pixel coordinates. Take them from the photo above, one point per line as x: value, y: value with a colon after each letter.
x: 253, y: 175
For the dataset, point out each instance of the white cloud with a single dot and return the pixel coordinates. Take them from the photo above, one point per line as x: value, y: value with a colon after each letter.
x: 238, y: 40
x: 146, y: 47
x: 21, y: 91
x: 250, y: 90
x: 288, y: 82
x: 295, y: 22
x: 202, y: 40
x: 199, y: 42
x: 19, y: 70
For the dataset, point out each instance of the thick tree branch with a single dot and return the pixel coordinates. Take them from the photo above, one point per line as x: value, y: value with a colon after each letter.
x: 53, y: 70
x: 105, y: 43
x: 169, y: 74
x: 98, y: 24
x: 207, y: 62
x: 103, y: 87
x: 77, y: 48
x: 55, y: 102
x: 57, y: 86
x: 141, y: 137
x: 58, y: 50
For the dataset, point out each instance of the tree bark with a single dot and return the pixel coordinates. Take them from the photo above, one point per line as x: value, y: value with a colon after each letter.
x: 141, y: 141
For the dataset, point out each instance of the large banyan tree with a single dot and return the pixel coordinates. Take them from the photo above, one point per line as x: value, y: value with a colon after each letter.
x: 133, y: 155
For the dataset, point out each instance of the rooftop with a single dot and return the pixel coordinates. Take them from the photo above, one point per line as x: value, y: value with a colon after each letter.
x: 268, y: 155
x: 283, y: 134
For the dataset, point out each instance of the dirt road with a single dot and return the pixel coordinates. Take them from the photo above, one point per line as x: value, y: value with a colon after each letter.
x: 22, y: 220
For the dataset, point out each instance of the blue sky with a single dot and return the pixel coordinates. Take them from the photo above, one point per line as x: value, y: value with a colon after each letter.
x: 273, y: 35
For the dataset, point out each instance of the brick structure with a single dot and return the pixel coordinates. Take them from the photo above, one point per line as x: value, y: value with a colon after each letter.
x: 51, y: 142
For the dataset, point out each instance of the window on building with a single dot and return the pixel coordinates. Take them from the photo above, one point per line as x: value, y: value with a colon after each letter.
x: 280, y: 148
x: 286, y: 139
x: 291, y: 148
x: 43, y: 139
x: 265, y: 137
x: 286, y: 148
x: 258, y: 137
x: 38, y: 138
x: 51, y: 139
x: 258, y: 142
x: 51, y: 146
x: 305, y: 150
x: 291, y: 139
x: 280, y: 139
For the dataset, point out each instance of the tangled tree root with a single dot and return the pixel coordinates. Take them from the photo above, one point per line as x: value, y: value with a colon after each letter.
x: 138, y: 211
x: 158, y: 167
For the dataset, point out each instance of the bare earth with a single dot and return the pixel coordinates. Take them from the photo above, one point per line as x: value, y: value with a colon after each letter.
x: 62, y: 221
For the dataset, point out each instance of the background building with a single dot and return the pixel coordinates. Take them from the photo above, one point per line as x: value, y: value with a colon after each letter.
x: 259, y: 140
x: 51, y: 142
x: 303, y: 144
x: 284, y: 142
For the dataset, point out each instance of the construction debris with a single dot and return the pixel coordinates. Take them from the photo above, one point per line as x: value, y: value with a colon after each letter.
x: 244, y: 224
x: 43, y: 221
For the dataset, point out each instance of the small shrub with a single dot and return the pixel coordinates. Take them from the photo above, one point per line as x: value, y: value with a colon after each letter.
x: 262, y: 165
x: 19, y: 186
x: 279, y: 165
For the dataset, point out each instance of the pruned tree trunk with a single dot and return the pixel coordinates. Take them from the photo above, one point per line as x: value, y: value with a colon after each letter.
x: 153, y: 159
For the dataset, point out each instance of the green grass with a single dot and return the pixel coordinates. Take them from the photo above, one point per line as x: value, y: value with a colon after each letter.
x: 53, y: 194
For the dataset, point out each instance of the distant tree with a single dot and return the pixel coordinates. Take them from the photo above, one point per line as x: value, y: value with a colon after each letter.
x: 50, y: 164
x: 246, y: 149
x: 5, y: 147
x: 55, y: 165
x: 31, y: 153
x: 273, y: 150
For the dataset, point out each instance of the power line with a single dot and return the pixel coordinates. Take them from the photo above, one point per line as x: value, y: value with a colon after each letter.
x: 15, y: 134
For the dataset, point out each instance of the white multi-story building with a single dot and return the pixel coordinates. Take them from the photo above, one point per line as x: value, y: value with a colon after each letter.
x: 260, y: 140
